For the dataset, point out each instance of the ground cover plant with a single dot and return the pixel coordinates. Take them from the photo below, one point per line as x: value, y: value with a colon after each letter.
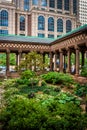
x: 84, y: 71
x: 41, y: 107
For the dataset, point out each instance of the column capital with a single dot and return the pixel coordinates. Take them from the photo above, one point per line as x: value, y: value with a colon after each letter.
x: 7, y: 51
x: 60, y: 51
x: 19, y: 51
x: 77, y: 47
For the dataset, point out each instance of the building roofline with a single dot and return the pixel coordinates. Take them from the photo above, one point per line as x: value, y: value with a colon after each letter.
x: 38, y: 40
x: 26, y: 39
x: 70, y: 34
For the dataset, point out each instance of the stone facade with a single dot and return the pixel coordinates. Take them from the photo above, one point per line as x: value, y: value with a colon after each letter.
x: 15, y: 9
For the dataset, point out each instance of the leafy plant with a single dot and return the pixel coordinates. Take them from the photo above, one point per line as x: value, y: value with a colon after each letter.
x: 84, y: 71
x: 81, y: 90
x: 57, y: 78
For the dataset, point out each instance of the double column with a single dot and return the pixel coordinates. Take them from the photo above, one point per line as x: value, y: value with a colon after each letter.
x: 77, y: 61
x: 7, y: 62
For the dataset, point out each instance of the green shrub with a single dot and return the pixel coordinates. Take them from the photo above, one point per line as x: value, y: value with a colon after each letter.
x: 81, y: 90
x: 84, y: 71
x: 22, y: 81
x: 57, y: 89
x: 33, y: 82
x: 43, y: 83
x: 67, y: 97
x: 27, y: 74
x: 22, y: 113
x: 57, y: 78
x: 31, y: 95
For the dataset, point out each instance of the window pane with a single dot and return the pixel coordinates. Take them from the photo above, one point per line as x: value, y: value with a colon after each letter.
x: 50, y: 24
x: 59, y: 4
x: 26, y: 5
x: 35, y: 2
x: 22, y: 23
x: 66, y: 5
x: 40, y: 35
x: 75, y: 6
x: 52, y: 3
x: 41, y: 23
x: 50, y: 36
x: 44, y: 2
x: 3, y: 18
x: 3, y: 31
x: 68, y: 26
x: 59, y: 25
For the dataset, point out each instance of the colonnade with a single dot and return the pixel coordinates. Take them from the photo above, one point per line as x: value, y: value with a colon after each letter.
x: 59, y: 60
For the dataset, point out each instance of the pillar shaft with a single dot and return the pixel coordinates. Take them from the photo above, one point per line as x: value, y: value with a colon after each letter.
x: 61, y: 62
x: 77, y: 61
x: 55, y: 61
x: 7, y: 61
x: 51, y: 61
x: 69, y: 62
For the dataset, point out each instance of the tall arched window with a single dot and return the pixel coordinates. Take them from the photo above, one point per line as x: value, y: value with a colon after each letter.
x: 66, y: 5
x: 41, y: 23
x: 52, y: 3
x: 22, y: 23
x: 68, y: 26
x: 26, y: 5
x: 50, y: 24
x: 59, y: 4
x: 75, y: 6
x: 4, y: 18
x: 35, y: 2
x: 43, y: 2
x: 59, y: 25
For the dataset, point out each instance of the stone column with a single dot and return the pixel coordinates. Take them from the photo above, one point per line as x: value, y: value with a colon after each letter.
x: 63, y: 6
x: 47, y: 5
x: 71, y: 7
x: 7, y: 61
x: 17, y: 59
x: 69, y: 61
x: 51, y: 61
x: 19, y: 56
x: 61, y: 61
x: 77, y: 61
x: 43, y: 58
x: 55, y: 61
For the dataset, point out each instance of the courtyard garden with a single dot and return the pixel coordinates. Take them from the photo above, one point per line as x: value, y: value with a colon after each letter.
x: 50, y: 101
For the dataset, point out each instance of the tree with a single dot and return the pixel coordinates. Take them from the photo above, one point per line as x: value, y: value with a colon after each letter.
x: 32, y: 61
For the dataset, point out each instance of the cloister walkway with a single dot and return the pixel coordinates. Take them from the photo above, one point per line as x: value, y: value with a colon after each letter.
x: 58, y: 49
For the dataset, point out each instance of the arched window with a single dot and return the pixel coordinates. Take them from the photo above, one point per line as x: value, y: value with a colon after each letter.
x: 43, y: 2
x: 50, y: 24
x: 4, y: 18
x: 66, y: 5
x: 35, y: 2
x: 59, y: 4
x: 68, y: 26
x: 59, y: 25
x: 75, y: 6
x: 22, y: 23
x: 41, y: 23
x: 26, y: 5
x: 52, y: 3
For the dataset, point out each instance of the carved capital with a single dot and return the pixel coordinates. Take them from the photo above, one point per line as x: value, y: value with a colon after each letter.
x: 77, y: 47
x: 7, y: 51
